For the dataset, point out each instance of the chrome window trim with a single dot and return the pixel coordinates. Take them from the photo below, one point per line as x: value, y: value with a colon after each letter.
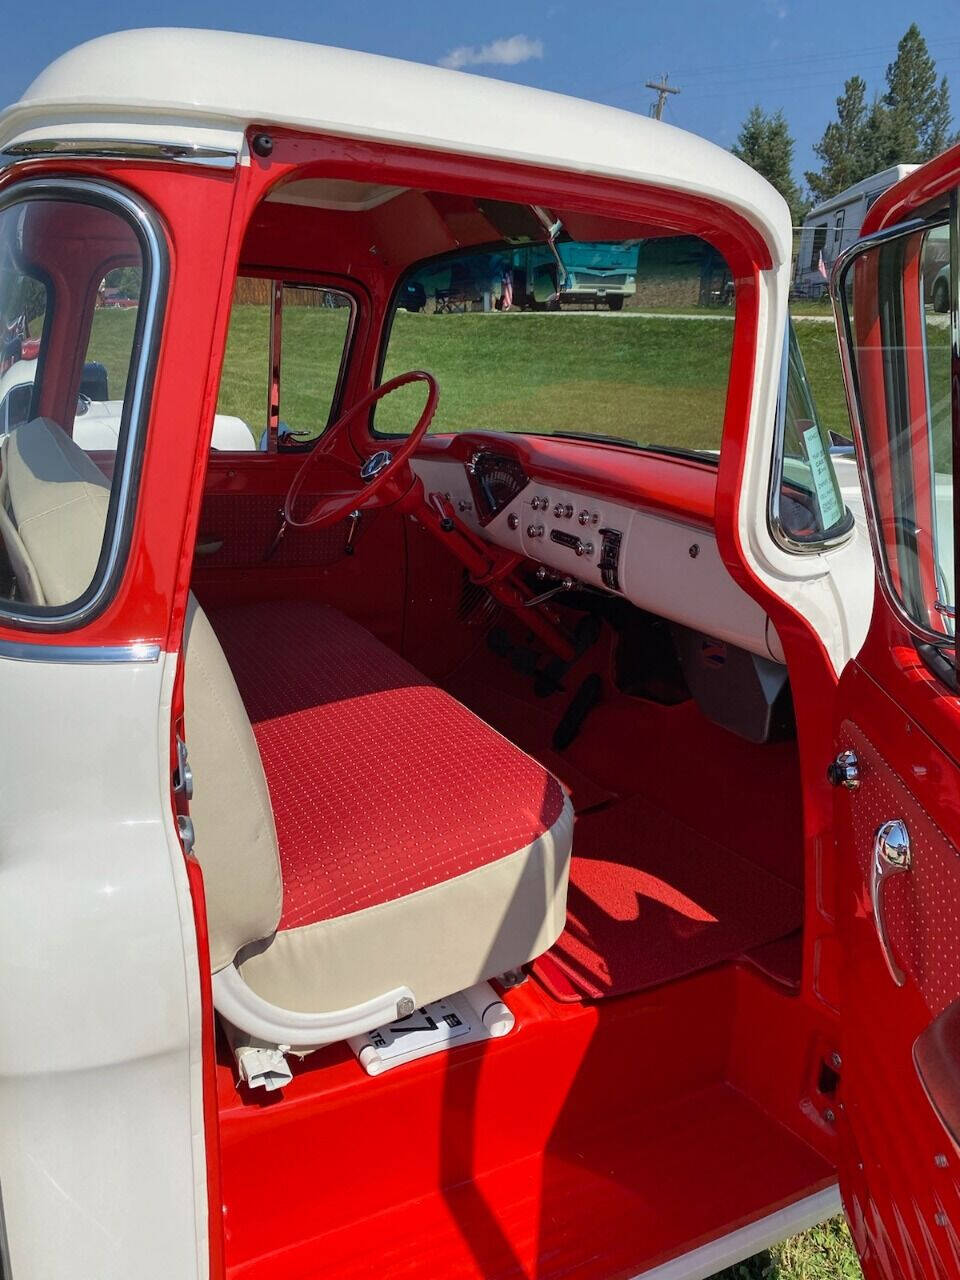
x: 778, y: 531
x: 140, y: 385
x: 901, y: 230
x: 79, y: 655
x: 120, y: 149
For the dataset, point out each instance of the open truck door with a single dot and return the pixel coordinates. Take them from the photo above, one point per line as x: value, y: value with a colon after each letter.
x: 897, y: 769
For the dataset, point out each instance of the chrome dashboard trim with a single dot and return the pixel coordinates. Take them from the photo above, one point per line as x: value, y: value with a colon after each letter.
x: 79, y: 655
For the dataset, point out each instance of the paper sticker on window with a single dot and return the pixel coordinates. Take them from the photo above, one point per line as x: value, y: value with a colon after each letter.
x: 828, y: 500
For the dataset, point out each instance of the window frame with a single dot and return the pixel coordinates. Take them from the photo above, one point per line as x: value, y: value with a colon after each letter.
x: 926, y: 636
x: 131, y: 443
x: 343, y: 286
x: 778, y: 531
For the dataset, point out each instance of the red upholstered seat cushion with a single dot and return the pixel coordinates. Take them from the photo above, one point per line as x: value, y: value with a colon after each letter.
x: 381, y: 783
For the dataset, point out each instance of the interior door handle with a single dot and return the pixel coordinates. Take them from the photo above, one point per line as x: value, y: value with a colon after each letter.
x: 891, y: 857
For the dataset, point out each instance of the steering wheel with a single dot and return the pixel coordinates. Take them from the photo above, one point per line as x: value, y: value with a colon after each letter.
x: 375, y: 469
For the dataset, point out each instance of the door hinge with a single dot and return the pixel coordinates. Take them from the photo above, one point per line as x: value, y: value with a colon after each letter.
x: 183, y: 774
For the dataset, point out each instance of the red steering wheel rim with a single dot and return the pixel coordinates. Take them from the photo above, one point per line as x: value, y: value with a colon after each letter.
x: 397, y: 459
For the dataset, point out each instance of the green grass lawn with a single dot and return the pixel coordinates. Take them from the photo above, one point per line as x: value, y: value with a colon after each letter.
x: 651, y: 380
x: 823, y: 1253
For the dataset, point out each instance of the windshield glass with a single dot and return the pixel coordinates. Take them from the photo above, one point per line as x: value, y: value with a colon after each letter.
x: 627, y: 340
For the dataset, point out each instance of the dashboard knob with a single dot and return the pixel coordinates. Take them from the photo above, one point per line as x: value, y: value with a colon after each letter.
x: 513, y: 520
x: 568, y: 511
x: 584, y: 517
x: 464, y: 505
x: 534, y: 530
x: 584, y: 548
x: 558, y: 510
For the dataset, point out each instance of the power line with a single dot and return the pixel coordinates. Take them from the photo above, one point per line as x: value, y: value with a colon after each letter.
x: 661, y: 88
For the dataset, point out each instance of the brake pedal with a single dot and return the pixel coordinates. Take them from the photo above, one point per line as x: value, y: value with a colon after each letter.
x: 581, y: 704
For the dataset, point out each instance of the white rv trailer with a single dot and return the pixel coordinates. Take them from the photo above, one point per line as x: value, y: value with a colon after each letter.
x: 833, y: 225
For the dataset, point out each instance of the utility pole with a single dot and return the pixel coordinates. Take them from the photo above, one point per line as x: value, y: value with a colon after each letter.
x: 661, y: 88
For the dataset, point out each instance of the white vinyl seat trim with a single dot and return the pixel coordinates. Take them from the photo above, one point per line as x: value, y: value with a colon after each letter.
x: 234, y: 1000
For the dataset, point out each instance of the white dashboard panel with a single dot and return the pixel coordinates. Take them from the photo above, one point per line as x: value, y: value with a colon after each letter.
x: 667, y: 567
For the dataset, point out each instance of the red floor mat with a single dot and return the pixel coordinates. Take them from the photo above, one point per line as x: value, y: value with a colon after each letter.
x: 531, y: 728
x: 651, y: 900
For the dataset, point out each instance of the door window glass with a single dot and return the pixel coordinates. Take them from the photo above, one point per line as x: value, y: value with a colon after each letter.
x: 79, y: 287
x: 899, y: 346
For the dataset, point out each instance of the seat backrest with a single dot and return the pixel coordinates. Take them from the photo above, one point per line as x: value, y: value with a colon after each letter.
x: 56, y: 500
x: 236, y: 840
x: 53, y: 510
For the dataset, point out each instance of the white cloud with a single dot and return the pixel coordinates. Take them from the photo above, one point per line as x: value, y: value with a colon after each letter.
x: 509, y: 51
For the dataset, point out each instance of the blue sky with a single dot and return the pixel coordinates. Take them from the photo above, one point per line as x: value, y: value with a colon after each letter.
x: 725, y: 56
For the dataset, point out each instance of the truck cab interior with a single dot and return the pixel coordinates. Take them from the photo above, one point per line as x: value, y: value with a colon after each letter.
x: 470, y: 694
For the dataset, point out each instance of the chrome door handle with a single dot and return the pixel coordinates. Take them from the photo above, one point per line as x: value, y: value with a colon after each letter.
x: 891, y: 857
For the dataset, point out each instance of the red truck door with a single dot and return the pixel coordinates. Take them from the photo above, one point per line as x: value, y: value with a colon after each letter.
x: 897, y: 770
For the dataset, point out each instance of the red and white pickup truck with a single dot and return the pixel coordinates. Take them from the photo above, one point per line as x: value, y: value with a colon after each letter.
x: 507, y: 824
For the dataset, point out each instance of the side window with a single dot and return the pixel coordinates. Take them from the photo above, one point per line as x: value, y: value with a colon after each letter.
x: 74, y: 367
x: 895, y: 297
x: 654, y: 373
x: 807, y: 510
x: 284, y: 358
x: 819, y: 242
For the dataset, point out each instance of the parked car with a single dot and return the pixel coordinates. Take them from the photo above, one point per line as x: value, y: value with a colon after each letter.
x: 515, y: 833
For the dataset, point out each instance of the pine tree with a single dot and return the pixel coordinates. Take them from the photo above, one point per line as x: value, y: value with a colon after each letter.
x: 909, y: 124
x: 764, y: 143
x: 841, y: 147
x: 919, y: 104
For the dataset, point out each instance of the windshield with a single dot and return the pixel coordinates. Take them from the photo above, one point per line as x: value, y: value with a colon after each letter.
x: 619, y: 340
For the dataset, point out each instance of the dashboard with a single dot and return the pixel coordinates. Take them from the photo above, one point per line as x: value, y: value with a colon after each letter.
x: 652, y: 542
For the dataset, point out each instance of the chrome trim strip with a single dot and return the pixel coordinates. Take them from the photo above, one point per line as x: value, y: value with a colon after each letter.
x: 143, y: 221
x: 79, y: 655
x: 117, y: 149
x: 845, y: 343
x: 728, y: 1250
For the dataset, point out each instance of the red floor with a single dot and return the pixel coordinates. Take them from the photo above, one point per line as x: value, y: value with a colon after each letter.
x: 651, y: 900
x: 590, y: 1142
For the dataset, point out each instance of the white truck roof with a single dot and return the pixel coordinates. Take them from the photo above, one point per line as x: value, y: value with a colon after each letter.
x: 177, y: 85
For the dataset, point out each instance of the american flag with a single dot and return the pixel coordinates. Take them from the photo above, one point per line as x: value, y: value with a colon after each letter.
x: 506, y: 289
x: 822, y: 266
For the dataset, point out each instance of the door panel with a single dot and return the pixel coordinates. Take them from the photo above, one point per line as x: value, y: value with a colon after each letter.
x: 901, y: 1173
